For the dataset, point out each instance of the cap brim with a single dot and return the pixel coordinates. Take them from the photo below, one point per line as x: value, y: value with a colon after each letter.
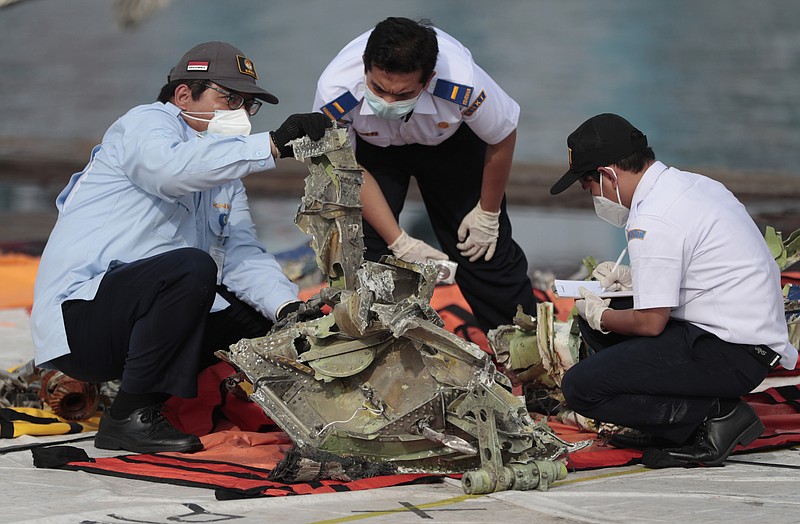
x: 248, y: 88
x: 564, y: 182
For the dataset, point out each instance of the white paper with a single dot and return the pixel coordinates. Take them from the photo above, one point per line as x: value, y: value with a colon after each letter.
x: 570, y: 289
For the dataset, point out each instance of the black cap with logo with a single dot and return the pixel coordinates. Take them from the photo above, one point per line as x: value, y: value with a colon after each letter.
x: 222, y: 64
x: 600, y: 141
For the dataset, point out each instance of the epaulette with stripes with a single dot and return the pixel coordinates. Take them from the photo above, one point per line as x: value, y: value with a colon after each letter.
x: 453, y: 92
x: 341, y: 106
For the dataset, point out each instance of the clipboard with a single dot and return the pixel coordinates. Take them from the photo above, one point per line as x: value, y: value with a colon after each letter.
x: 570, y: 289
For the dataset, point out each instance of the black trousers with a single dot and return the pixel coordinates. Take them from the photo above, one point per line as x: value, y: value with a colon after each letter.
x: 449, y: 178
x: 150, y: 325
x: 663, y: 385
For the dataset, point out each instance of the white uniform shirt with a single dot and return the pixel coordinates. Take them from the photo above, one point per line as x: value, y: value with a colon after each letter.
x: 151, y: 187
x: 479, y: 101
x: 695, y: 249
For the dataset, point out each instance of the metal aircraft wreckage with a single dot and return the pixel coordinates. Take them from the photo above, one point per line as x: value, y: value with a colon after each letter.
x: 377, y: 380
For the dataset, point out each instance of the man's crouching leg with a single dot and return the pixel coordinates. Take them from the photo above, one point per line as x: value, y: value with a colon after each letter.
x: 146, y: 326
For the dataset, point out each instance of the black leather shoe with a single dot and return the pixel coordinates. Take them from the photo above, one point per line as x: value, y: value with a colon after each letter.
x: 144, y: 431
x: 716, y: 437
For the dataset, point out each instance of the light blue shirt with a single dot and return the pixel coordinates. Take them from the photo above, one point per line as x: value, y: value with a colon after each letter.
x: 153, y: 186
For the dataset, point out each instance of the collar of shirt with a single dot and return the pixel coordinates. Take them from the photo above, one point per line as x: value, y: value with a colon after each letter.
x: 188, y: 132
x: 647, y: 182
x: 173, y: 109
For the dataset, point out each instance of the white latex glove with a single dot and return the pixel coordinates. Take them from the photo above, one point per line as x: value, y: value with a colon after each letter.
x: 618, y: 280
x: 412, y: 249
x: 478, y: 234
x: 591, y: 308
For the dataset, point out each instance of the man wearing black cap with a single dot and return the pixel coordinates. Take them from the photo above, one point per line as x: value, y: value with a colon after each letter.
x: 707, y: 321
x: 153, y: 263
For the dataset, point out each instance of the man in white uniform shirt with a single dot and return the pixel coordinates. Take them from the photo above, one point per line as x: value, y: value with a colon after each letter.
x: 154, y: 263
x: 418, y: 105
x: 707, y: 322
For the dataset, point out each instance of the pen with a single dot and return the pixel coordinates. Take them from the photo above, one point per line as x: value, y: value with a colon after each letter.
x: 619, y: 259
x: 616, y: 264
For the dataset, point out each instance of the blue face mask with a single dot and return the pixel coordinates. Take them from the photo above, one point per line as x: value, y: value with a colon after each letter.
x: 389, y: 110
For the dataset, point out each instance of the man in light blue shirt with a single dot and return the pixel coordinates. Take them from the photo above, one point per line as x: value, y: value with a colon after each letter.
x: 154, y: 263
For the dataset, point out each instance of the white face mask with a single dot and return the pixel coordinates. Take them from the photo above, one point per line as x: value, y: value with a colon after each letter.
x: 389, y: 110
x: 225, y: 122
x: 612, y: 212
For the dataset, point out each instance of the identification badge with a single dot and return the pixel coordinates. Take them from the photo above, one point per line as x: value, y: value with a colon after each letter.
x: 218, y: 254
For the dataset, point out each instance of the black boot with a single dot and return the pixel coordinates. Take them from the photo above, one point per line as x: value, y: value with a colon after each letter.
x: 716, y: 437
x: 145, y: 430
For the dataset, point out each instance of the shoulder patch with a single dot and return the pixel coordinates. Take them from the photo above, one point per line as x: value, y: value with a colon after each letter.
x: 453, y: 92
x: 636, y: 234
x: 341, y: 106
x: 475, y: 105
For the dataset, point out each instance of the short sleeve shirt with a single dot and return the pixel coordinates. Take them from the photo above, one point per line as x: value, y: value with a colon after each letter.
x: 695, y: 249
x: 459, y: 91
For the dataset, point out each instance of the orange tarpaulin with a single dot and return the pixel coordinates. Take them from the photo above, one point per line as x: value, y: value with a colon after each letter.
x: 17, y: 275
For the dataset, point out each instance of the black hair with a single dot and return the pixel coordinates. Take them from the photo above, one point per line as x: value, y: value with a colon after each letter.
x: 636, y: 162
x: 400, y: 45
x: 168, y: 91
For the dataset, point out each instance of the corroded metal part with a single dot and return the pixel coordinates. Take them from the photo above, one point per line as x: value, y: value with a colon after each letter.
x: 378, y: 377
x: 786, y: 252
x: 537, y: 351
x: 69, y: 398
x: 20, y: 387
x: 330, y: 211
x: 29, y: 386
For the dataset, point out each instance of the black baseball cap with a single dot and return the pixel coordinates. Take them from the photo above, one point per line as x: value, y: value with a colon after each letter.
x: 222, y: 64
x: 600, y: 141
